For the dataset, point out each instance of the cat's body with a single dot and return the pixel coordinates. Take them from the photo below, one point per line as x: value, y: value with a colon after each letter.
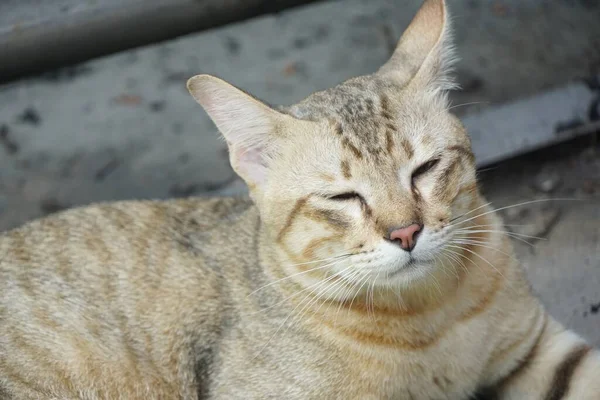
x: 367, y: 266
x: 192, y: 321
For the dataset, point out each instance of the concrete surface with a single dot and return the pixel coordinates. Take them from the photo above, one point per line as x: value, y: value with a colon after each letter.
x: 552, y: 116
x: 125, y: 127
x: 37, y: 35
x: 564, y: 266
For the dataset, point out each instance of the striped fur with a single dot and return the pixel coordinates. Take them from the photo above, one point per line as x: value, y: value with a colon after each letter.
x: 299, y: 293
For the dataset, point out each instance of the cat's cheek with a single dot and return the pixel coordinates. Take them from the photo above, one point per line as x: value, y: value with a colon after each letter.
x: 462, y: 202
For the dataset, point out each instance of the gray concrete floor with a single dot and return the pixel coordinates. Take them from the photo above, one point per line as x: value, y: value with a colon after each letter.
x: 124, y: 126
x: 564, y: 267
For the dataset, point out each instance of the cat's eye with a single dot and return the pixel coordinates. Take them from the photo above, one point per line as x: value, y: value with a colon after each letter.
x: 347, y: 196
x: 424, y: 168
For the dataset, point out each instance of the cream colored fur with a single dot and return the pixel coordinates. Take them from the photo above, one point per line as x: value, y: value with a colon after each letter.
x: 300, y: 293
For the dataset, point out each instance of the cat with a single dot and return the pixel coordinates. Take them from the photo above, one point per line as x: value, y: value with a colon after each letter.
x: 364, y: 265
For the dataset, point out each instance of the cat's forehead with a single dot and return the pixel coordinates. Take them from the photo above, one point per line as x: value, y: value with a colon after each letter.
x: 347, y: 102
x: 361, y: 103
x: 369, y: 115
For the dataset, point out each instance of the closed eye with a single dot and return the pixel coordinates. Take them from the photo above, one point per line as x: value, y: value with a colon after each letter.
x: 424, y: 168
x: 347, y: 196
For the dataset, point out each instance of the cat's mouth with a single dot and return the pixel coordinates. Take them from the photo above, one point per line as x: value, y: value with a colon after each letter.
x: 411, y: 264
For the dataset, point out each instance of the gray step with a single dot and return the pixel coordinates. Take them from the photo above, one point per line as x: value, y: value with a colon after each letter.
x: 38, y: 35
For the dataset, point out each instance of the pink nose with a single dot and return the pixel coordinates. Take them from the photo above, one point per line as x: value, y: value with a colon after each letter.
x: 407, y: 236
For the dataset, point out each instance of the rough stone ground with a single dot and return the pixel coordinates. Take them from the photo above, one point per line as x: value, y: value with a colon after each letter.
x: 564, y: 267
x: 124, y: 126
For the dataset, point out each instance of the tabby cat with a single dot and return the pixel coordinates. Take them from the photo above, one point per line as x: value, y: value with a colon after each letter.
x: 366, y: 266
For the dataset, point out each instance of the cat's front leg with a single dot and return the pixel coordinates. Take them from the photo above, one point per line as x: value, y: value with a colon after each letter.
x: 559, y: 366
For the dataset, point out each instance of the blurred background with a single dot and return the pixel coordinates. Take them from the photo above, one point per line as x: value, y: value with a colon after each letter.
x: 93, y: 106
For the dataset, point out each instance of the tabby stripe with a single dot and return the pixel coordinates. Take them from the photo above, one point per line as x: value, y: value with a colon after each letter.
x: 291, y: 217
x: 526, y: 361
x: 564, y: 373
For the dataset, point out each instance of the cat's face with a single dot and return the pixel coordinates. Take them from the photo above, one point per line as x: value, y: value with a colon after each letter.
x: 376, y: 158
x: 359, y: 182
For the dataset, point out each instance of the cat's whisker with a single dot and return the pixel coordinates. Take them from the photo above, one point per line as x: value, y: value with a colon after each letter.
x: 438, y: 260
x: 455, y: 256
x: 510, y: 206
x: 339, y: 284
x: 344, y: 287
x: 486, y: 169
x: 469, y: 212
x: 294, y: 310
x: 351, y: 286
x: 509, y: 234
x: 373, y: 295
x: 442, y: 265
x: 315, y: 299
x: 498, y: 231
x: 480, y: 243
x: 344, y: 256
x: 452, y: 257
x: 426, y: 125
x: 318, y: 261
x: 369, y: 287
x: 436, y: 283
x: 303, y: 290
x: 488, y: 262
x: 365, y: 280
x: 464, y: 256
x: 398, y: 296
x: 468, y: 104
x: 495, y: 225
x: 330, y: 292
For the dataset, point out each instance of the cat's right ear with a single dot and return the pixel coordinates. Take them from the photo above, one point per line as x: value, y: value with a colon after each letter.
x: 425, y: 54
x: 249, y: 126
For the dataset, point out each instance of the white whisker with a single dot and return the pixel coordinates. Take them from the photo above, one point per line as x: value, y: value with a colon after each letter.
x: 301, y: 291
x: 299, y: 273
x: 484, y: 259
x: 499, y: 231
x: 511, y: 206
x: 481, y: 244
x: 295, y: 308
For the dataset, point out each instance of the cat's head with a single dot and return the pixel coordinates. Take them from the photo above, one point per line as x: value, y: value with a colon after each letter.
x: 372, y: 170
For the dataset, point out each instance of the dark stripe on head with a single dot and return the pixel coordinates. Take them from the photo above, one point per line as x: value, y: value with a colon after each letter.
x: 408, y: 149
x: 389, y: 141
x: 290, y: 220
x: 446, y: 176
x: 338, y: 129
x: 331, y: 217
x: 367, y: 211
x: 564, y: 372
x: 327, y: 177
x: 463, y: 151
x: 386, y: 111
x: 352, y: 148
x: 345, y: 166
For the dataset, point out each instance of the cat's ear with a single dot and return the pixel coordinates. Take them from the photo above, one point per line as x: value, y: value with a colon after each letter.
x: 424, y: 53
x: 248, y: 125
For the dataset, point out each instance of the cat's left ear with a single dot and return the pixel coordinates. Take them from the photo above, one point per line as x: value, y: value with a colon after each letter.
x: 250, y: 127
x: 425, y: 54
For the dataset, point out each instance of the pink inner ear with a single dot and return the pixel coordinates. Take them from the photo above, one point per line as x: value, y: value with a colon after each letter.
x: 251, y: 165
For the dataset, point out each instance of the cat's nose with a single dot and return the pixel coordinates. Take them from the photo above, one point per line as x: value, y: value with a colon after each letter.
x: 406, y: 237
